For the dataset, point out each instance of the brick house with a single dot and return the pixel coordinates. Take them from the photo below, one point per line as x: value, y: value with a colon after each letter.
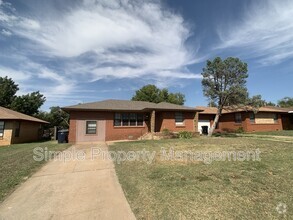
x: 17, y: 128
x: 267, y: 118
x: 121, y: 120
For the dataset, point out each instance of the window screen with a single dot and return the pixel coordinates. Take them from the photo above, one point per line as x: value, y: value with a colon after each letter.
x: 91, y: 127
x: 179, y: 119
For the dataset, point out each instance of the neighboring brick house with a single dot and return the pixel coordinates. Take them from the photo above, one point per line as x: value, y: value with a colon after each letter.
x: 121, y: 120
x: 17, y: 128
x: 267, y: 118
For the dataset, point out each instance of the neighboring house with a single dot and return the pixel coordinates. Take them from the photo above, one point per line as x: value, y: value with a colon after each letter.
x: 17, y: 128
x: 121, y: 120
x: 267, y: 118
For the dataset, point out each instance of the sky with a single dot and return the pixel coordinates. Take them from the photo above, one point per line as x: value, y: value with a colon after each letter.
x: 90, y: 50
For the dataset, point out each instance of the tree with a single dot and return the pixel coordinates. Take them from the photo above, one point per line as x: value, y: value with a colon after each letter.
x: 286, y: 102
x: 56, y: 117
x: 269, y: 103
x: 151, y: 93
x: 256, y: 101
x: 8, y: 89
x: 224, y: 83
x: 28, y: 104
x: 176, y: 98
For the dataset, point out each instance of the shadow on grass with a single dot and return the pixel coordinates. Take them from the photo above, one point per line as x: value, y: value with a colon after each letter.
x: 231, y: 135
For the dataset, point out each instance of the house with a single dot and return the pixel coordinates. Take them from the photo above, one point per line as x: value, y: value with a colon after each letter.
x: 121, y: 120
x: 267, y: 118
x: 17, y: 128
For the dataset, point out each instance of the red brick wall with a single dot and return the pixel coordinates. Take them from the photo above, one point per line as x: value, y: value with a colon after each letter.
x: 227, y: 123
x: 123, y: 133
x: 163, y: 120
x: 72, y: 129
x: 167, y: 120
x: 263, y: 127
x: 112, y: 133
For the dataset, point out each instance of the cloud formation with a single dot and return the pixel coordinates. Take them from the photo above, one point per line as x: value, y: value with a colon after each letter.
x: 265, y: 32
x: 105, y: 39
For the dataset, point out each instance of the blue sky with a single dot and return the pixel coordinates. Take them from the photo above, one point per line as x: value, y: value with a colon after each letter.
x: 83, y: 51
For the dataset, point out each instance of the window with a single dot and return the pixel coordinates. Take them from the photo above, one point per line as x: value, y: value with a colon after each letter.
x: 128, y: 119
x: 132, y: 119
x: 17, y: 129
x: 179, y: 119
x: 238, y: 118
x: 91, y: 127
x: 252, y: 118
x: 2, y: 125
x: 139, y: 119
x: 276, y: 118
x: 117, y: 119
x: 125, y: 119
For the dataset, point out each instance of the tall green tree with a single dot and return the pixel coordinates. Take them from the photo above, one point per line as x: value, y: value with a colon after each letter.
x: 8, y: 89
x: 224, y: 83
x: 151, y: 93
x: 56, y: 116
x: 28, y: 104
x: 286, y: 102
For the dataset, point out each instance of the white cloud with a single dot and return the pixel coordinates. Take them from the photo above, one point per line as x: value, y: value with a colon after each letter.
x: 265, y: 31
x: 6, y: 33
x: 126, y: 39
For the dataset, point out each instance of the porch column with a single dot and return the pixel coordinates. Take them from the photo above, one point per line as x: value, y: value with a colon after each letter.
x: 153, y: 121
x: 195, y: 121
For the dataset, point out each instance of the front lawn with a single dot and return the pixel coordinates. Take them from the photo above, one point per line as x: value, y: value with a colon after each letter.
x: 17, y: 163
x: 180, y: 189
x: 276, y: 133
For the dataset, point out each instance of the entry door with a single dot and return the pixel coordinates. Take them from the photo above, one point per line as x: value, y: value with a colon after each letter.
x: 81, y: 131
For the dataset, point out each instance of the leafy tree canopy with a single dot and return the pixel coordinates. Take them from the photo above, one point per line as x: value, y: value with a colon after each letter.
x: 224, y: 83
x: 151, y: 93
x: 286, y: 102
x: 8, y: 89
x: 56, y: 116
x: 28, y: 104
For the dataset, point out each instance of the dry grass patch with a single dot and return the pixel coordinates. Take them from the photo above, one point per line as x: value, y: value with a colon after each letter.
x: 220, y: 190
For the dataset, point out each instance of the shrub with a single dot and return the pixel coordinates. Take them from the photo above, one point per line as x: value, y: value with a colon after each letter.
x: 185, y: 134
x: 166, y: 132
x: 239, y: 130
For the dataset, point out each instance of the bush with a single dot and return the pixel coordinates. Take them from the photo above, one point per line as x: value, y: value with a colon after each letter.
x: 185, y: 134
x: 166, y: 132
x: 239, y: 130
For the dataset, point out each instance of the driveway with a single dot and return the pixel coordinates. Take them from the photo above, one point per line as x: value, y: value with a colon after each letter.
x: 74, y: 189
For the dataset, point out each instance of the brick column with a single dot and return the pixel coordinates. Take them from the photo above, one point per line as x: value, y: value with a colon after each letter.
x: 195, y: 121
x: 153, y: 121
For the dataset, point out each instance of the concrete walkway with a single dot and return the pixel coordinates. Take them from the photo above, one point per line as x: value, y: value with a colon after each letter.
x: 87, y: 189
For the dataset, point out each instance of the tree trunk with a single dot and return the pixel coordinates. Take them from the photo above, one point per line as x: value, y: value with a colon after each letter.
x: 216, y: 120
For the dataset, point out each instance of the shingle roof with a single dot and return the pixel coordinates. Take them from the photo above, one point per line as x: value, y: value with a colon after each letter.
x: 229, y: 109
x: 126, y: 105
x: 6, y: 113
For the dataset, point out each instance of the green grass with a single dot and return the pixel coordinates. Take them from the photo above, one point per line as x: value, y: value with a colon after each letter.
x: 220, y: 190
x: 17, y: 164
x: 276, y: 133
